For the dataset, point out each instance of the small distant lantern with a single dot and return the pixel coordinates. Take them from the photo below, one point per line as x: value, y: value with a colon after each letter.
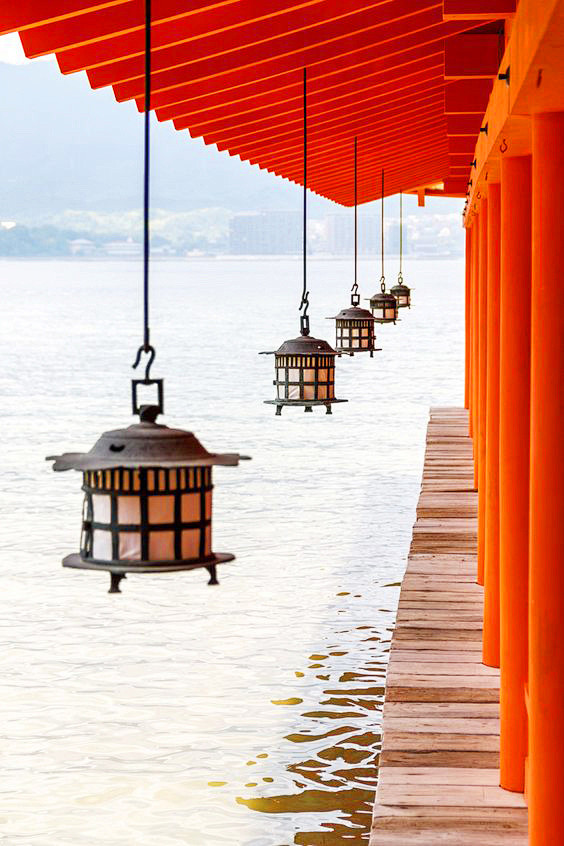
x: 305, y: 374
x: 384, y: 305
x: 402, y: 293
x: 147, y: 501
x: 354, y: 326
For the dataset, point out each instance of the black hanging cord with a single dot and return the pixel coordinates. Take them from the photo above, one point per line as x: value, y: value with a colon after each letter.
x: 304, y: 304
x: 146, y: 345
x: 400, y: 276
x: 382, y: 279
x: 355, y: 298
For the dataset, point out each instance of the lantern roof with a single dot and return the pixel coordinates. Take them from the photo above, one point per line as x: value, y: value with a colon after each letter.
x: 305, y: 345
x: 383, y: 297
x: 144, y: 444
x: 353, y: 313
x: 400, y: 288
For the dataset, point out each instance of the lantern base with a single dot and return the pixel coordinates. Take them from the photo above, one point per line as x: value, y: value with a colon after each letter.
x: 306, y: 404
x: 352, y: 352
x: 118, y: 571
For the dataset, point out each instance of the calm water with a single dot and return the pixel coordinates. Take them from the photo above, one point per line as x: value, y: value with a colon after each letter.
x: 242, y: 715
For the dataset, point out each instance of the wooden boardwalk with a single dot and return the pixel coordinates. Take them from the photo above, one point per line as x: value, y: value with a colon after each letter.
x: 438, y: 781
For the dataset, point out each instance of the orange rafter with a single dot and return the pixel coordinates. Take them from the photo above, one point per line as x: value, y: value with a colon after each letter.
x: 230, y: 72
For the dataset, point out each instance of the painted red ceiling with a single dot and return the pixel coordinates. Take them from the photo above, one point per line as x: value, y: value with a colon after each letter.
x: 230, y: 72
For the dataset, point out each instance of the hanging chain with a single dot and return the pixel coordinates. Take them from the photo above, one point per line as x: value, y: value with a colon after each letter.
x: 382, y: 278
x: 400, y: 274
x: 146, y: 345
x: 355, y: 297
x: 304, y: 304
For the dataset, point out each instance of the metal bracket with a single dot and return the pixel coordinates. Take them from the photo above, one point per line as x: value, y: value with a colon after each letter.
x: 160, y: 394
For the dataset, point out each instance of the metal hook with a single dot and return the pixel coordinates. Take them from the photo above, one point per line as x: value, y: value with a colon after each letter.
x: 383, y: 284
x: 503, y: 146
x: 152, y: 353
x: 479, y: 195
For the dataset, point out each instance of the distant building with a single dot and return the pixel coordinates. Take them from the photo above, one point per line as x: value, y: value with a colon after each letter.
x: 340, y: 233
x: 265, y: 233
x: 123, y: 249
x: 82, y: 247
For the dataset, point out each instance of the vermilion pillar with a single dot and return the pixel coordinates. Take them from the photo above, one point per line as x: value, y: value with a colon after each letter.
x: 475, y: 346
x: 546, y: 541
x: 467, y: 302
x: 514, y: 410
x: 482, y: 392
x: 490, y: 651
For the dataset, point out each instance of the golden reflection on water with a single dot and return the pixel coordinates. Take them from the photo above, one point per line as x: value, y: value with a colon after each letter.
x: 341, y: 740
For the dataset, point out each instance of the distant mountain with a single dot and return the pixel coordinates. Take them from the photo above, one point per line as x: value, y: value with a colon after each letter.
x: 64, y: 146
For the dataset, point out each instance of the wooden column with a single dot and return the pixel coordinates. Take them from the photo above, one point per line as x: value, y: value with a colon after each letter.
x: 467, y: 305
x: 546, y: 541
x: 482, y: 393
x: 490, y: 651
x: 475, y: 347
x: 514, y: 411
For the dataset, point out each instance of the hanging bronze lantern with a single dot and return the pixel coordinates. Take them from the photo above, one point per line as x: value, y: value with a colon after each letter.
x: 354, y: 326
x: 354, y: 331
x: 147, y: 488
x: 383, y: 305
x: 304, y: 366
x: 305, y: 374
x: 400, y: 291
x: 147, y: 500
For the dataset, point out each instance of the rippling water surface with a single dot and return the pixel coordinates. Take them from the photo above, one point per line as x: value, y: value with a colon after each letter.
x: 176, y: 713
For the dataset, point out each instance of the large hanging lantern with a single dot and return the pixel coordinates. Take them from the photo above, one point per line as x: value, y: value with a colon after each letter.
x: 354, y: 326
x: 383, y: 305
x: 147, y: 501
x: 147, y: 488
x: 304, y: 366
x: 400, y: 291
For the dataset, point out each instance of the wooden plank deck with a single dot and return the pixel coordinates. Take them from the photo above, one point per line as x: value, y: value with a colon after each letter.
x: 439, y: 780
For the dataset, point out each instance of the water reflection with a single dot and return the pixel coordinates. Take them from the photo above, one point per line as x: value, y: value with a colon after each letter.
x: 338, y: 773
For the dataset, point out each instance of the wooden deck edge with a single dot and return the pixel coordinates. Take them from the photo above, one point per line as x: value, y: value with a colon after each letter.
x: 439, y: 778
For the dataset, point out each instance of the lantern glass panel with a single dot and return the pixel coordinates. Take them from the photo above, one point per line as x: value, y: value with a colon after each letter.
x: 190, y: 508
x: 161, y: 546
x: 161, y: 509
x: 293, y: 392
x: 102, y: 507
x: 129, y: 548
x: 309, y: 392
x: 129, y: 510
x: 102, y: 545
x: 190, y: 543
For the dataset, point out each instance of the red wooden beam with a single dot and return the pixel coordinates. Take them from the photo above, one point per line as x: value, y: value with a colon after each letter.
x: 467, y: 96
x: 245, y: 65
x: 288, y: 97
x: 23, y: 14
x: 464, y: 125
x: 473, y: 56
x: 477, y: 10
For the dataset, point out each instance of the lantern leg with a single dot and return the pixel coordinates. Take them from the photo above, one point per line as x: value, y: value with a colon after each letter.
x: 212, y: 570
x: 328, y: 409
x: 115, y: 579
x: 308, y: 408
x: 278, y: 411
